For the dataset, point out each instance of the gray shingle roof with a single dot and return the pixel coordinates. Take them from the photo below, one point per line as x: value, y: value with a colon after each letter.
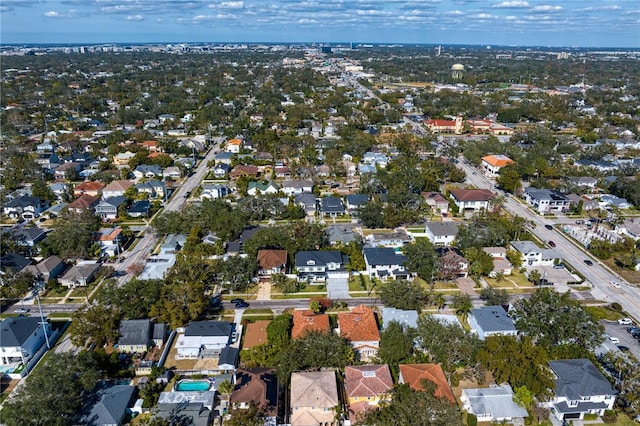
x: 110, y: 407
x: 441, y: 229
x: 208, y: 328
x: 331, y: 205
x: 228, y: 355
x: 383, y: 256
x: 579, y: 377
x: 319, y: 257
x: 493, y: 318
x: 15, y: 331
x: 135, y: 332
x: 497, y: 401
x: 13, y: 262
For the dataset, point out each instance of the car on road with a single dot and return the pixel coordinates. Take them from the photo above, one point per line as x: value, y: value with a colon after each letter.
x: 615, y: 284
x: 551, y: 244
x: 623, y: 348
x: 237, y: 300
x: 588, y: 262
x: 23, y: 310
x: 549, y: 227
x: 242, y: 305
x: 625, y: 321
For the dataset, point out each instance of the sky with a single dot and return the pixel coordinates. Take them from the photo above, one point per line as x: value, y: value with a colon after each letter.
x: 561, y: 23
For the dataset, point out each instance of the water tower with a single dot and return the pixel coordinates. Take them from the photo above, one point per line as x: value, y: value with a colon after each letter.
x: 456, y: 71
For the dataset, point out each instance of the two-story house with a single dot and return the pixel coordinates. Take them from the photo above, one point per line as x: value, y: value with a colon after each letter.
x: 107, y: 209
x: 257, y: 386
x: 546, y: 201
x: 117, y: 188
x: 491, y: 321
x: 360, y: 328
x: 492, y: 164
x: 155, y: 188
x: 356, y: 202
x: 20, y: 339
x: 271, y: 261
x: 90, y: 187
x: 293, y: 187
x: 314, y: 398
x: 24, y: 207
x: 441, y: 234
x: 384, y: 263
x: 110, y: 240
x: 415, y: 374
x: 314, y: 266
x: 306, y: 321
x: 332, y: 206
x: 147, y: 171
x: 532, y: 255
x: 474, y: 200
x: 438, y: 202
x: 366, y: 387
x: 203, y: 335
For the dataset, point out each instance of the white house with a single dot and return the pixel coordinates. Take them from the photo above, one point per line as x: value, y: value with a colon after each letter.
x: 319, y: 265
x: 213, y: 191
x: 293, y: 187
x: 492, y: 404
x: 385, y: 263
x: 20, y: 339
x: 491, y: 321
x: 546, y: 200
x: 441, y: 233
x: 472, y: 199
x: 532, y: 255
x: 203, y: 335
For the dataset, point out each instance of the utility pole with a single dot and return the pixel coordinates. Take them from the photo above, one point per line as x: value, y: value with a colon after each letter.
x: 36, y: 292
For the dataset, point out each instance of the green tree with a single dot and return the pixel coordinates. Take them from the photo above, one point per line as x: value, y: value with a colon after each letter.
x: 509, y: 179
x: 52, y: 394
x: 494, y: 296
x: 284, y: 284
x: 279, y: 330
x: 554, y: 319
x: 251, y: 416
x: 462, y: 304
x: 409, y: 407
x: 518, y: 362
x: 97, y: 323
x: 422, y: 259
x: 371, y: 215
x: 72, y: 236
x: 396, y: 345
x: 403, y: 294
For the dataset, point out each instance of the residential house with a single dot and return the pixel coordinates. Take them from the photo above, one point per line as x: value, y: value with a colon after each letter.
x: 224, y: 157
x: 259, y: 188
x: 213, y: 191
x: 90, y: 187
x: 151, y: 146
x: 26, y: 237
x: 283, y: 172
x: 172, y: 172
x: 452, y: 264
x: 396, y: 239
x: 55, y: 210
x: 385, y: 263
x: 308, y: 202
x: 139, y: 209
x: 221, y: 170
x: 203, y: 335
x: 314, y: 398
x: 584, y: 181
x: 24, y: 207
x: 331, y: 206
x: 155, y: 188
x: 255, y: 334
x: 107, y: 209
x: 319, y: 265
x: 375, y: 159
x: 257, y: 386
x: 366, y: 386
x: 360, y: 328
x: 306, y: 321
x: 66, y: 170
x: 47, y: 269
x: 438, y: 202
x: 20, y: 339
x: 546, y: 201
x: 599, y: 165
x: 414, y: 374
x: 192, y: 408
x: 475, y: 200
x: 492, y: 164
x: 234, y: 145
x: 84, y: 202
x: 147, y: 171
x: 135, y: 336
x: 588, y: 204
x: 630, y: 228
x: 117, y: 188
x: 294, y: 187
x: 532, y: 255
x: 79, y: 275
x: 109, y: 240
x: 341, y: 234
x: 491, y: 321
x: 47, y: 160
x: 494, y: 404
x: 501, y: 264
x: 243, y: 171
x: 441, y: 233
x: 355, y: 202
x: 580, y: 389
x: 407, y: 318
x: 271, y: 261
x: 613, y: 201
x: 159, y: 334
x: 227, y: 359
x: 13, y: 263
x: 121, y: 160
x: 59, y: 189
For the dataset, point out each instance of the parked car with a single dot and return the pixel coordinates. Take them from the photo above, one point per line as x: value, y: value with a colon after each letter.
x: 551, y: 244
x: 549, y: 227
x: 623, y: 348
x: 615, y: 284
x: 625, y: 321
x: 242, y: 305
x: 614, y: 339
x: 23, y: 310
x: 588, y: 262
x: 237, y: 300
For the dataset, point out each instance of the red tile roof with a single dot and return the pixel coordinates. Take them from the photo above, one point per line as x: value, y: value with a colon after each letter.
x: 305, y: 321
x: 497, y: 161
x: 413, y: 374
x: 359, y: 324
x: 367, y: 380
x: 89, y: 186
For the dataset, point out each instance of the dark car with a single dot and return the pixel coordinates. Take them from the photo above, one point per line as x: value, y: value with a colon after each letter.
x: 588, y: 262
x: 237, y: 300
x: 552, y: 244
x: 549, y: 227
x: 623, y: 348
x: 242, y: 305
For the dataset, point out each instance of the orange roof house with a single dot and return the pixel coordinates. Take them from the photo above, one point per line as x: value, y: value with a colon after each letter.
x: 445, y: 126
x: 272, y: 262
x: 234, y: 145
x: 493, y: 163
x: 414, y: 374
x: 255, y: 334
x: 151, y: 146
x: 366, y: 385
x: 359, y: 327
x: 90, y: 187
x: 305, y: 321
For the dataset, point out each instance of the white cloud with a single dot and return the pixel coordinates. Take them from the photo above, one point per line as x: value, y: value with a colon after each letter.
x: 135, y: 18
x: 232, y: 5
x: 56, y: 14
x: 600, y: 8
x: 546, y: 8
x: 511, y: 4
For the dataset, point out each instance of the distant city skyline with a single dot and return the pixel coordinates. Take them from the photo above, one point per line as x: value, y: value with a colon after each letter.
x: 584, y: 23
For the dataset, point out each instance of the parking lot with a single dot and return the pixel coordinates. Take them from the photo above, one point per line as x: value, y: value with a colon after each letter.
x: 614, y: 329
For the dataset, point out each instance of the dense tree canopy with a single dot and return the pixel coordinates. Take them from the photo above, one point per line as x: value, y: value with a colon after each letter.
x: 403, y: 294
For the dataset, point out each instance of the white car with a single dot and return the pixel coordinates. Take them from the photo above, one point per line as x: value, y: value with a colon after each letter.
x: 614, y: 340
x: 615, y: 284
x: 625, y: 321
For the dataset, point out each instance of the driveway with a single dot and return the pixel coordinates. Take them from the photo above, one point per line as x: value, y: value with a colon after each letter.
x: 612, y: 328
x: 338, y: 288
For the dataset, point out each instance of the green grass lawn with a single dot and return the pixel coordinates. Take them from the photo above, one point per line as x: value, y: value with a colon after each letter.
x: 603, y: 313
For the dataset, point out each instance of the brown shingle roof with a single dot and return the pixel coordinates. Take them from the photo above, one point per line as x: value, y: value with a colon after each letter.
x: 85, y: 201
x: 269, y: 259
x: 118, y: 185
x: 90, y: 185
x: 359, y: 324
x: 413, y: 374
x: 472, y: 194
x: 255, y: 334
x: 257, y: 385
x: 367, y: 380
x: 305, y: 321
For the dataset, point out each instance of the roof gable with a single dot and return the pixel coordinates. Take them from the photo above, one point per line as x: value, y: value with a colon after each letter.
x: 367, y: 380
x: 359, y: 324
x: 413, y: 374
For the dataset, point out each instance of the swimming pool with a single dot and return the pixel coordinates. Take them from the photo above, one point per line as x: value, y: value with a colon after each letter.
x: 193, y: 385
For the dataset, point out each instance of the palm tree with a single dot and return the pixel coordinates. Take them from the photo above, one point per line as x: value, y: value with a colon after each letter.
x: 438, y: 300
x: 462, y: 304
